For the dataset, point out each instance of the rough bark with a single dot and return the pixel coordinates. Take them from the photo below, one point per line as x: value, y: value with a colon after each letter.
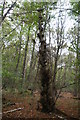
x: 46, y: 98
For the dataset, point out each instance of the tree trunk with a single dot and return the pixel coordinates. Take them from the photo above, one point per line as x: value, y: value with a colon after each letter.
x: 20, y: 38
x: 24, y: 62
x: 31, y: 63
x: 78, y: 56
x: 54, y: 75
x: 46, y: 94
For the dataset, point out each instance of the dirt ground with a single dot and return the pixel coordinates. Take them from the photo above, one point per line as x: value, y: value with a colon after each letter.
x: 16, y: 107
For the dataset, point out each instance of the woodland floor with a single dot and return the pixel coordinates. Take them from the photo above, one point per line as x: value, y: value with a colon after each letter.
x: 67, y: 108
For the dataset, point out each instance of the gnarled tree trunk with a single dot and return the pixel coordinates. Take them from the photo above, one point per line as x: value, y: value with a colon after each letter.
x: 46, y: 94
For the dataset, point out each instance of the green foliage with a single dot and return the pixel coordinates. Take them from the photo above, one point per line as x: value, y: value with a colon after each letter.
x: 76, y: 8
x: 15, y: 28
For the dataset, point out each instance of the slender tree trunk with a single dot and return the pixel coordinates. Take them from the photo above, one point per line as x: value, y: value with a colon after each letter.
x: 54, y: 74
x: 56, y: 57
x: 31, y: 63
x: 59, y: 45
x: 51, y: 59
x: 78, y: 56
x: 25, y: 55
x: 37, y: 71
x: 20, y: 38
x: 49, y: 35
x: 76, y: 85
x: 3, y: 9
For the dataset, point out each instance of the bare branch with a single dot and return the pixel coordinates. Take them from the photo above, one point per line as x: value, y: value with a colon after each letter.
x: 3, y: 8
x: 3, y: 17
x: 64, y: 86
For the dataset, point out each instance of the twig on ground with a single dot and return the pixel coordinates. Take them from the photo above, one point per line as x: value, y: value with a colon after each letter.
x: 10, y: 111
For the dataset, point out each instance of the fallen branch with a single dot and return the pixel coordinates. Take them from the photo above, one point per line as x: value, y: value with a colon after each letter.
x: 10, y: 111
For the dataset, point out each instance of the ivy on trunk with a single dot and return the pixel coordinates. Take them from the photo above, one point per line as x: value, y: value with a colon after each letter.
x: 47, y: 100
